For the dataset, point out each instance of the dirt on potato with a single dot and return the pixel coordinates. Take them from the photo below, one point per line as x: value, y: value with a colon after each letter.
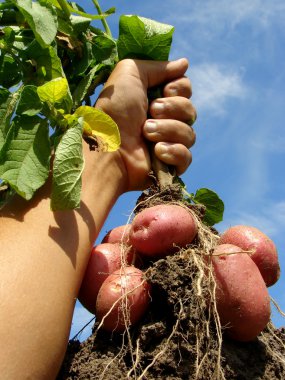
x: 180, y: 338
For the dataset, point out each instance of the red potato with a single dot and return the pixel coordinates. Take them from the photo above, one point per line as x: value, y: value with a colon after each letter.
x: 264, y: 252
x: 104, y: 259
x: 159, y: 230
x: 118, y: 234
x: 125, y: 286
x: 243, y: 302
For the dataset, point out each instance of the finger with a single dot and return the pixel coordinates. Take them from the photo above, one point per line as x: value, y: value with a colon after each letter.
x: 176, y: 155
x: 173, y: 131
x: 178, y: 87
x: 176, y: 107
x: 158, y: 72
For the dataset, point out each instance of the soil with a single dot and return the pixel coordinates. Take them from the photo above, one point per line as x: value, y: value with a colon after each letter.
x: 180, y: 337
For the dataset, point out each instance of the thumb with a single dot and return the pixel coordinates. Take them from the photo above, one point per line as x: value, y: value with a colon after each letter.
x: 159, y: 72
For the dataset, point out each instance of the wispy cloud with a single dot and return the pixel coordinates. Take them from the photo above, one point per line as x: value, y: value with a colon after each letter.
x: 214, y: 85
x: 217, y: 13
x: 269, y: 218
x: 276, y: 144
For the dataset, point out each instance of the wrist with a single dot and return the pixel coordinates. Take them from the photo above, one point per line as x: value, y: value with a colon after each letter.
x: 104, y: 172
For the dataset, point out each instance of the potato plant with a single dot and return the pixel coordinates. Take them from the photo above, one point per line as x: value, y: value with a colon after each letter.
x: 53, y: 58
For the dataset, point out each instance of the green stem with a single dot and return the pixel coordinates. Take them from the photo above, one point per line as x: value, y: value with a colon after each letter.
x: 65, y: 7
x: 104, y: 22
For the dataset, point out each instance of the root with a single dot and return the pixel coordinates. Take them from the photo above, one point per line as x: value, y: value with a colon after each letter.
x: 190, y: 307
x: 274, y: 354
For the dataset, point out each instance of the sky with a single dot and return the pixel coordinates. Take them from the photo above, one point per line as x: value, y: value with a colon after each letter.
x: 236, y: 52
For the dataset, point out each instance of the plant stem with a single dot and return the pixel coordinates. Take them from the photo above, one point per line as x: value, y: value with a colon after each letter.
x: 161, y: 171
x: 65, y: 7
x: 104, y: 22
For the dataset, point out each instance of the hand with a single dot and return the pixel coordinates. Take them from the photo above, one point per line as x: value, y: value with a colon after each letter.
x: 124, y: 98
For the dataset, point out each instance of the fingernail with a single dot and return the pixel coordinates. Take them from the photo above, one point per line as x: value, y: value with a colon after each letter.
x: 164, y: 148
x: 173, y: 91
x: 157, y: 107
x: 150, y: 126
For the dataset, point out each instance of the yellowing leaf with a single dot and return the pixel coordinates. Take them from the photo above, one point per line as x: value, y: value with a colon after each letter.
x: 102, y: 126
x: 53, y: 91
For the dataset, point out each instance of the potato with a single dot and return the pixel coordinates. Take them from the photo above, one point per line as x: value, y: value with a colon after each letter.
x: 160, y: 230
x: 243, y: 302
x: 105, y: 258
x: 118, y: 234
x: 126, y: 282
x: 263, y: 250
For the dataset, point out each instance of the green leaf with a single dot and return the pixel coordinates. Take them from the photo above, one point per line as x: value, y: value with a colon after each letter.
x: 4, y: 99
x: 67, y: 170
x: 8, y: 103
x: 100, y: 125
x: 41, y: 18
x: 44, y: 64
x: 104, y: 49
x: 25, y: 155
x: 10, y: 74
x: 79, y: 23
x: 29, y: 103
x: 214, y: 205
x: 144, y: 38
x: 53, y: 91
x: 79, y: 66
x: 83, y: 86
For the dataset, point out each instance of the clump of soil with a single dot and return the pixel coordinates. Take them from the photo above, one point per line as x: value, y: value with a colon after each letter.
x: 180, y: 337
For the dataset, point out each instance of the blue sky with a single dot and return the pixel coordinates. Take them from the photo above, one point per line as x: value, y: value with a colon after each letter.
x: 237, y: 68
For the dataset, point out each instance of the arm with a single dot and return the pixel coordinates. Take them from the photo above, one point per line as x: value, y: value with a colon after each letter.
x: 44, y: 254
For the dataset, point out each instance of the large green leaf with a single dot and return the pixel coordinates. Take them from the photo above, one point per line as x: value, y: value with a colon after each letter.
x: 100, y: 125
x: 144, y: 38
x: 41, y: 18
x: 214, y: 205
x: 67, y: 170
x: 25, y: 155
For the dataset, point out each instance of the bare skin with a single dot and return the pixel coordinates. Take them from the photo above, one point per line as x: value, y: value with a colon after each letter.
x: 44, y: 254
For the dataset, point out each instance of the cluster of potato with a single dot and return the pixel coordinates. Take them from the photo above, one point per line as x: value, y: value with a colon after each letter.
x: 245, y: 263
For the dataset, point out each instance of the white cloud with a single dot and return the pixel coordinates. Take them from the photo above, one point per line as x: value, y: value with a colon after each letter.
x: 269, y: 218
x: 219, y: 12
x: 270, y: 145
x: 214, y: 85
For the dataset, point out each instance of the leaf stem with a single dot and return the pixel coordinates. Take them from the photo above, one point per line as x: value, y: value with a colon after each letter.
x: 65, y: 7
x: 88, y: 15
x: 104, y: 22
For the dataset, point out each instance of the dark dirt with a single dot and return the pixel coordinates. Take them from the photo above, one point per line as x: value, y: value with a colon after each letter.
x: 102, y: 357
x: 179, y: 338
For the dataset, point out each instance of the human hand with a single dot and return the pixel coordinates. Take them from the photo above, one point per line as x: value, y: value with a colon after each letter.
x: 124, y: 98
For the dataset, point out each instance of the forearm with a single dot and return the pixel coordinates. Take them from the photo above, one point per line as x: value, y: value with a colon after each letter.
x: 43, y: 257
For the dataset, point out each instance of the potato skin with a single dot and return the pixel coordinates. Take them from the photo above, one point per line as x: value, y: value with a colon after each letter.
x: 104, y: 259
x: 118, y: 234
x: 157, y: 231
x: 264, y: 252
x: 122, y: 281
x: 243, y: 302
